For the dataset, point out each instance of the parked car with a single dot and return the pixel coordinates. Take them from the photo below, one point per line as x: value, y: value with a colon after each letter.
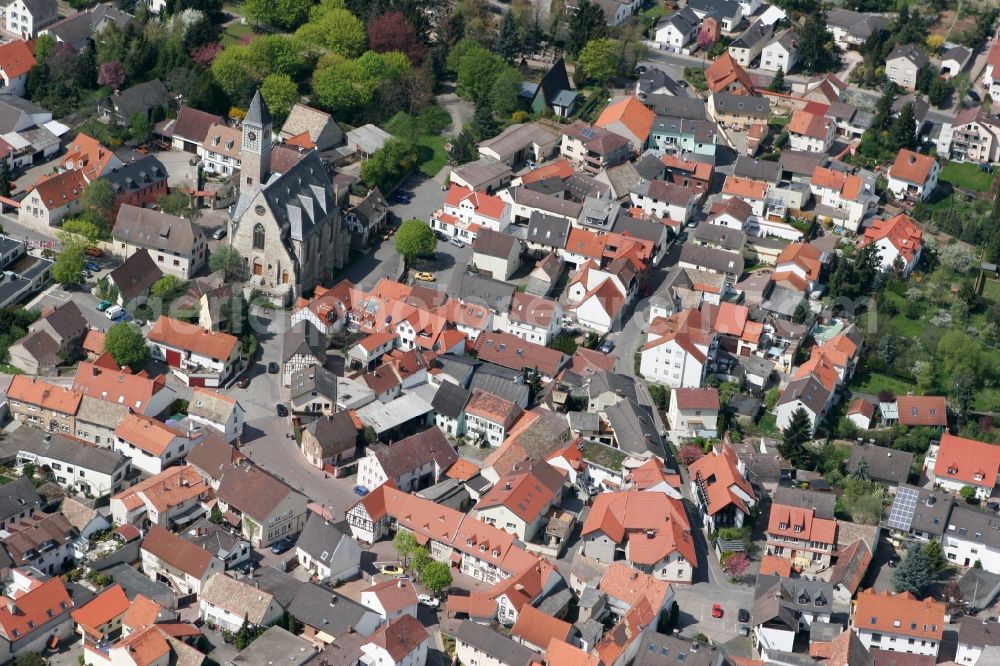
x: 281, y: 409
x: 456, y: 242
x: 94, y: 252
x: 682, y: 83
x: 717, y: 610
x: 744, y: 630
x: 392, y: 570
x: 245, y: 568
x: 115, y: 312
x: 360, y: 491
x: 426, y: 277
x: 103, y: 305
x: 993, y: 506
x: 606, y: 347
x: 428, y: 600
x: 974, y: 95
x: 893, y: 561
x: 91, y: 266
x: 743, y: 615
x: 282, y: 546
x: 273, y: 368
x: 243, y: 381
x: 85, y: 274
x: 641, y: 69
x: 400, y: 198
x: 219, y: 233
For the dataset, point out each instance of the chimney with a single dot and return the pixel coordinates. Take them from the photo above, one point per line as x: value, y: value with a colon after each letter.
x: 399, y: 583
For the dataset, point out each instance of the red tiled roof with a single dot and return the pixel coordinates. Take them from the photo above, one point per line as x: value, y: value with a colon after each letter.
x: 805, y: 256
x: 526, y: 492
x: 922, y: 410
x: 722, y: 468
x: 102, y: 609
x: 87, y: 155
x: 61, y: 189
x: 394, y: 595
x: 900, y: 230
x: 697, y: 398
x: 968, y: 461
x: 537, y: 628
x: 177, y: 552
x: 119, y: 385
x: 630, y: 586
x: 484, y: 204
x: 34, y: 609
x: 631, y: 113
x: 911, y: 167
x: 745, y: 188
x: 814, y: 125
x: 725, y: 71
x: 801, y: 523
x: 656, y: 525
x: 493, y: 408
x: 775, y: 565
x: 34, y: 391
x: 16, y: 59
x: 884, y: 612
x: 191, y: 337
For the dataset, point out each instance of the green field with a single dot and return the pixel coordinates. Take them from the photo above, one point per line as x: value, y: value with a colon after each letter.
x: 431, y: 155
x: 235, y: 33
x: 967, y: 176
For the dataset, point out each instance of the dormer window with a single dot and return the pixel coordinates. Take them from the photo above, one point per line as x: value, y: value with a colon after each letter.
x: 782, y: 526
x: 798, y: 528
x: 482, y: 547
x: 897, y: 623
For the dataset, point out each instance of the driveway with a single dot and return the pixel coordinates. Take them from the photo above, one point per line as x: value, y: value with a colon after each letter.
x: 460, y: 110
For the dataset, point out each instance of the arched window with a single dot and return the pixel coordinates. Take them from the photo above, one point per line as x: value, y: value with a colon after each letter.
x: 258, y: 236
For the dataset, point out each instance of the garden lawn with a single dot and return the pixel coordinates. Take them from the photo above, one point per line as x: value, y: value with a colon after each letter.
x: 967, y: 176
x: 431, y: 155
x: 873, y: 383
x: 991, y: 290
x: 235, y: 33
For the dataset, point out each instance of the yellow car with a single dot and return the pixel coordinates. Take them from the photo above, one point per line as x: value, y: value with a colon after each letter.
x: 426, y: 277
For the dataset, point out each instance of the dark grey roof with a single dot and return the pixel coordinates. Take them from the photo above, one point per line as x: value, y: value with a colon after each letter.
x: 493, y: 244
x: 959, y: 53
x: 135, y: 583
x: 910, y: 52
x: 303, y: 338
x: 884, y: 464
x: 508, y: 384
x: 18, y: 497
x: 12, y: 109
x: 547, y: 230
x: 822, y: 504
x: 721, y: 8
x: 487, y: 292
x: 782, y: 301
x: 51, y: 445
x: 978, y: 632
x: 416, y: 451
x: 643, y: 229
x: 314, y: 380
x: 544, y: 202
x: 980, y: 589
x: 66, y: 320
x: 581, y: 186
x: 141, y: 98
x: 655, y: 78
x: 609, y: 382
x: 856, y: 24
x: 450, y: 399
x: 494, y: 644
x: 276, y: 645
x: 975, y: 525
x: 749, y: 167
x: 320, y: 536
x: 78, y: 27
x: 155, y: 229
x: 326, y: 610
x: 634, y: 429
x: 600, y: 213
x: 685, y: 20
x: 661, y: 650
x: 336, y: 433
x: 800, y: 162
x: 456, y: 366
x: 686, y: 108
x: 214, y: 538
x: 584, y: 421
x: 280, y: 585
x: 709, y: 258
x: 809, y: 391
x: 777, y: 597
x: 929, y: 512
x: 755, y: 34
x: 719, y: 236
x: 258, y: 113
x: 142, y: 173
x: 741, y: 105
x: 136, y: 275
x: 649, y: 166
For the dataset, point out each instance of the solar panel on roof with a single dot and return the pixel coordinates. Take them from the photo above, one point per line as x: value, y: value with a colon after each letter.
x: 587, y: 133
x: 901, y: 513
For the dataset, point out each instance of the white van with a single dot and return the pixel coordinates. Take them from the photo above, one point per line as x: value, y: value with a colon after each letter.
x: 115, y: 312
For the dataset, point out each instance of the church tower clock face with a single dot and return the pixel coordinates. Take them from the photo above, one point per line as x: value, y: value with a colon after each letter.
x: 252, y: 136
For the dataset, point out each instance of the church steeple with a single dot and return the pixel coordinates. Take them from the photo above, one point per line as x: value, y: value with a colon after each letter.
x: 255, y: 153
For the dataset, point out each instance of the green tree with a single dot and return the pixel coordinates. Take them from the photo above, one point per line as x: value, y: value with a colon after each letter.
x: 935, y: 555
x: 421, y: 558
x: 913, y: 574
x: 463, y: 148
x: 99, y: 198
x: 415, y: 239
x: 968, y: 493
x: 259, y: 11
x: 127, y: 346
x: 504, y: 93
x: 778, y: 82
x: 168, y: 289
x: 77, y: 232
x: 508, y: 41
x: 387, y: 166
x: 404, y: 543
x: 883, y: 108
x: 68, y: 266
x: 904, y: 129
x: 30, y: 659
x: 963, y: 392
x: 5, y: 177
x: 587, y: 23
x: 484, y: 126
x: 816, y: 49
x: 139, y: 128
x: 793, y: 439
x: 280, y: 93
x: 216, y: 516
x: 436, y: 577
x: 333, y: 30
x: 228, y: 261
x: 600, y: 59
x: 478, y: 70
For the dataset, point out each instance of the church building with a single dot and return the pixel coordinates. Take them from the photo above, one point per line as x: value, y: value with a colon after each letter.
x: 286, y: 226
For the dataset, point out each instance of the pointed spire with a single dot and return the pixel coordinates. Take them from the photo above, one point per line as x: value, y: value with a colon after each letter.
x: 258, y: 114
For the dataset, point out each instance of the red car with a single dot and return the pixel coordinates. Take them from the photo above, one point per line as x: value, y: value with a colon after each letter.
x: 243, y: 382
x: 717, y: 610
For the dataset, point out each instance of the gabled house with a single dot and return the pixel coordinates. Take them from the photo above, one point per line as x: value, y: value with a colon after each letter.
x: 677, y: 350
x: 899, y: 241
x: 628, y: 117
x: 798, y: 267
x: 311, y: 128
x: 52, y: 199
x: 412, y: 463
x: 676, y: 30
x: 520, y: 501
x: 465, y: 212
x: 724, y: 496
x: 402, y: 641
x: 811, y: 132
x: 975, y: 136
x: 265, y: 508
x: 227, y: 603
x: 327, y: 551
x: 850, y: 29
x: 27, y: 18
x: 189, y: 128
x: 391, y: 598
x: 498, y: 254
x: 798, y: 533
x: 898, y: 622
x: 880, y: 463
x: 902, y: 64
x: 913, y: 177
x: 651, y: 529
x: 177, y: 246
x: 186, y: 567
x: 31, y: 620
x: 962, y: 462
x: 172, y: 496
x: 554, y: 92
x: 694, y: 412
x: 140, y: 99
x: 330, y: 442
x: 216, y: 411
x: 728, y: 13
x: 16, y: 60
x: 534, y: 318
x: 152, y: 445
x: 783, y: 607
x: 726, y: 75
x: 521, y: 142
x: 849, y: 198
x: 973, y: 538
x: 366, y: 218
x: 302, y: 346
x: 746, y: 48
x: 975, y: 635
x: 664, y: 199
x: 782, y: 52
x: 198, y: 357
